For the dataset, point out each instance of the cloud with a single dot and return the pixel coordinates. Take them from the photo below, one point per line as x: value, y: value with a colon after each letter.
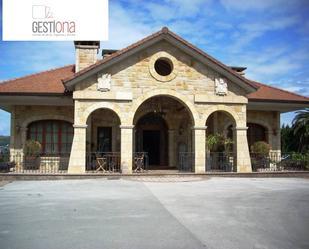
x: 126, y: 26
x: 269, y: 37
x: 262, y: 5
x: 250, y: 31
x: 27, y: 57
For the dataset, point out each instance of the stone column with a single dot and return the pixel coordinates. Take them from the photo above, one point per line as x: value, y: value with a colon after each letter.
x: 18, y: 155
x: 243, y: 160
x: 126, y: 148
x: 13, y: 132
x: 77, y: 163
x: 171, y: 148
x: 199, y: 148
x: 89, y: 135
x: 23, y: 131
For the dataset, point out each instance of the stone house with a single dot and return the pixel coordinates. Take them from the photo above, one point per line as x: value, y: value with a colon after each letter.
x: 160, y: 95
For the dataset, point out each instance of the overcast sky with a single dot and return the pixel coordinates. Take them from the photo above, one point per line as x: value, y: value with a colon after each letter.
x: 270, y: 37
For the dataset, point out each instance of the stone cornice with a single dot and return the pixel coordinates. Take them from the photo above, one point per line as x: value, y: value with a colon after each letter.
x: 199, y: 127
x: 126, y: 126
x: 80, y: 126
x: 241, y: 128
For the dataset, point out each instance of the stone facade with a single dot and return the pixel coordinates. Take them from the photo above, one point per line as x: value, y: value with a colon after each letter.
x: 187, y: 95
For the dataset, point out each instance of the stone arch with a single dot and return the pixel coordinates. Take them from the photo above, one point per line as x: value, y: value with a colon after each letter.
x: 261, y: 123
x: 226, y: 109
x: 266, y: 126
x: 168, y: 93
x: 46, y: 117
x: 102, y: 105
x: 143, y: 113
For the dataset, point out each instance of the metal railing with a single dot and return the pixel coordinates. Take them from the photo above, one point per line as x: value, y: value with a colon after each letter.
x: 186, y: 161
x: 140, y: 162
x: 220, y: 161
x: 99, y: 162
x: 41, y: 163
x: 103, y: 162
x: 277, y: 161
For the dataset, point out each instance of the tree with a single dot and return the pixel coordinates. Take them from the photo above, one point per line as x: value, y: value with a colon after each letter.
x: 300, y: 126
x: 288, y: 141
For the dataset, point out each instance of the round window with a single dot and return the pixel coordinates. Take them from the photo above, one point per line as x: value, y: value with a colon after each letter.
x: 163, y: 66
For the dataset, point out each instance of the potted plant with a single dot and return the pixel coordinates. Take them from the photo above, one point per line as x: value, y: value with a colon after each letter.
x: 260, y: 154
x: 32, y: 154
x: 219, y: 148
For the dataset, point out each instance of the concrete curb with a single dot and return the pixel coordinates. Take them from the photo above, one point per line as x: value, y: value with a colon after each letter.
x: 20, y: 176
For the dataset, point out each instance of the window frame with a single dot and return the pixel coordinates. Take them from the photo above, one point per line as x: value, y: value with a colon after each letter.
x: 57, y: 127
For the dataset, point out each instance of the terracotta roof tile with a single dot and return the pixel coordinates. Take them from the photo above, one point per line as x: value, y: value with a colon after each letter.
x: 43, y: 82
x: 270, y: 93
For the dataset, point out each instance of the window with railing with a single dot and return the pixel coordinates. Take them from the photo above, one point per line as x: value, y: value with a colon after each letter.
x: 55, y: 136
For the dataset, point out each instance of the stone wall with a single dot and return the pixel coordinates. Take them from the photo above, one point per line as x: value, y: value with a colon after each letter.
x: 133, y: 75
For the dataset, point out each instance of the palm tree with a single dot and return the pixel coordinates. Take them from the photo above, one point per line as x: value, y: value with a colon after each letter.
x: 301, y: 129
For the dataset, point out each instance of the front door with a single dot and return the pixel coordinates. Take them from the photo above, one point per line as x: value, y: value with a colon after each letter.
x: 151, y: 144
x: 104, y: 142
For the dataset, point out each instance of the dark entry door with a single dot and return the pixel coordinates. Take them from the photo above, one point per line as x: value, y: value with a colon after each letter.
x: 104, y: 142
x: 151, y: 144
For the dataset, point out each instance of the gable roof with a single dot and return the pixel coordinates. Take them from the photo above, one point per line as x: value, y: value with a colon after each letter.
x: 273, y: 94
x: 46, y: 82
x: 50, y: 82
x: 57, y: 81
x: 163, y: 34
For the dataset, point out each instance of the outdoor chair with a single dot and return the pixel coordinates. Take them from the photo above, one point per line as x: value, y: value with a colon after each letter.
x: 101, y: 163
x: 139, y: 163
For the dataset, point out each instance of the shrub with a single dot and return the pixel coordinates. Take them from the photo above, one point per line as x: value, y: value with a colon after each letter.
x: 33, y: 148
x: 261, y: 148
x: 218, y: 143
x: 212, y: 141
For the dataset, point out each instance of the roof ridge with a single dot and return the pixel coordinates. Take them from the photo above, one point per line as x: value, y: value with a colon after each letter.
x: 35, y: 74
x: 279, y: 89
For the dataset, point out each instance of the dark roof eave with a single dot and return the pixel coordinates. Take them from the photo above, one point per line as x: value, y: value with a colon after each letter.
x: 279, y: 101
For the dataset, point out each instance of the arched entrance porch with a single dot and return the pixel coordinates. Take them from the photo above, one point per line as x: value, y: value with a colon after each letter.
x: 221, y: 142
x: 103, y: 141
x: 163, y: 129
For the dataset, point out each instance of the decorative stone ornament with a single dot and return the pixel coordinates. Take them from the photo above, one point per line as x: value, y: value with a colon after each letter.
x: 104, y: 82
x: 220, y: 87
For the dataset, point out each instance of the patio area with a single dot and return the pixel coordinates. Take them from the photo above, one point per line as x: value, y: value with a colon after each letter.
x: 215, y: 213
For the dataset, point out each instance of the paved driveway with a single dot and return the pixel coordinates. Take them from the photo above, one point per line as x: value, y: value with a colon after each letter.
x: 227, y: 213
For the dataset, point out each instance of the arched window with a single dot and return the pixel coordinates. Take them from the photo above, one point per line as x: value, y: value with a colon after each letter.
x: 55, y: 136
x: 256, y: 133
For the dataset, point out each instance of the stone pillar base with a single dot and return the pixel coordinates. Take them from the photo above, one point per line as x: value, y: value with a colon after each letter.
x: 199, y: 149
x: 76, y: 169
x: 242, y: 150
x: 126, y: 148
x: 77, y: 163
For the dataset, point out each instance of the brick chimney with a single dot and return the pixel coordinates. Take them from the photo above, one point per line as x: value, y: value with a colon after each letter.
x: 239, y: 70
x: 85, y: 53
